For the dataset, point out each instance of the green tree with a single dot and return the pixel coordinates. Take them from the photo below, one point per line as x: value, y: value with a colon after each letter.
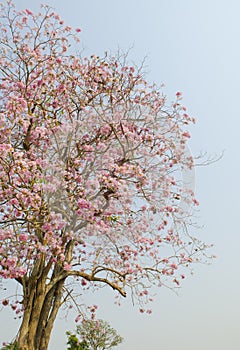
x: 74, y: 344
x: 94, y: 335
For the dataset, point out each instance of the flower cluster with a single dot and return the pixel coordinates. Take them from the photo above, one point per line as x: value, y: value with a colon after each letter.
x: 91, y: 158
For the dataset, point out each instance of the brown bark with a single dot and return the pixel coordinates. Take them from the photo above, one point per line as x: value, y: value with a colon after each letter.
x: 49, y: 312
x: 33, y: 302
x: 41, y: 304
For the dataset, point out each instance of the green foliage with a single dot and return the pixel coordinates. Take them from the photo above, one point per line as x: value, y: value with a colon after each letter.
x: 74, y: 344
x: 10, y: 346
x: 94, y: 335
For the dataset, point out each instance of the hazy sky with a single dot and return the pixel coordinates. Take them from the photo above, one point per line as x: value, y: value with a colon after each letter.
x: 191, y: 46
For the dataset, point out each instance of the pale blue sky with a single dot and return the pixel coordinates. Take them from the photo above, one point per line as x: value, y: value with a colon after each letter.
x: 191, y: 46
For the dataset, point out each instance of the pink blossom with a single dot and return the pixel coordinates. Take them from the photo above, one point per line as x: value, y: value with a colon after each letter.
x: 23, y: 237
x: 83, y: 204
x: 77, y: 318
x: 195, y: 201
x: 179, y: 94
x: 174, y: 266
x: 5, y: 302
x: 186, y: 134
x: 29, y: 12
x: 66, y: 266
x: 83, y: 282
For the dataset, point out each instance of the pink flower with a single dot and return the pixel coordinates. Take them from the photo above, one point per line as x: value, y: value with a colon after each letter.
x: 174, y: 266
x: 195, y: 201
x: 83, y: 282
x: 186, y: 134
x: 29, y: 12
x: 179, y: 94
x: 23, y: 237
x: 22, y: 102
x: 82, y: 203
x: 78, y: 30
x: 14, y: 201
x: 77, y: 318
x: 5, y: 302
x: 66, y: 266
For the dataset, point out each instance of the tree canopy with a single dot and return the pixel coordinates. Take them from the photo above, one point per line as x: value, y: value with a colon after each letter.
x: 91, y: 163
x: 94, y: 335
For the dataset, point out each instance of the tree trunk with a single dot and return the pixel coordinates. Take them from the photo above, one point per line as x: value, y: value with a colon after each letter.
x: 49, y: 312
x: 40, y: 310
x: 32, y: 309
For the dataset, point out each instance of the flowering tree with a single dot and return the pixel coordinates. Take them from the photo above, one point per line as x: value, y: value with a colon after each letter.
x: 95, y: 335
x: 91, y: 158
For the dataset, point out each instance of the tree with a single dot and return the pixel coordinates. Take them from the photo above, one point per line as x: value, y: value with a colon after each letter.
x: 91, y: 157
x: 94, y: 335
x: 74, y: 344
